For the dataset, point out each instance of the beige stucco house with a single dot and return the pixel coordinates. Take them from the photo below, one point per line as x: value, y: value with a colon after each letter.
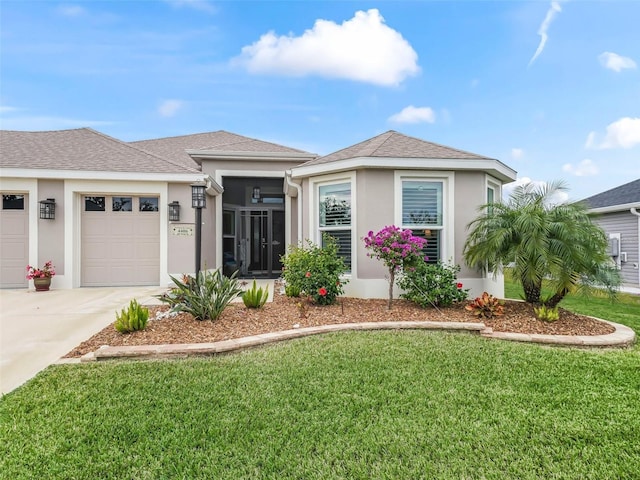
x: 116, y: 223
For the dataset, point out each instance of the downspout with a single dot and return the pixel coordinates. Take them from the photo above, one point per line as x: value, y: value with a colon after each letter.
x: 287, y: 176
x: 635, y: 212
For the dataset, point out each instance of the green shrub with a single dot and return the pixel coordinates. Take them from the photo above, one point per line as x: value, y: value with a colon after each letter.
x: 315, y: 271
x: 292, y: 290
x: 547, y: 314
x: 255, y: 297
x: 132, y: 319
x: 204, y: 297
x: 433, y: 285
x: 486, y: 306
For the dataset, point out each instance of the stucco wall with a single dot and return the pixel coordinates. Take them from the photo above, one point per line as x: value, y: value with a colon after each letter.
x: 375, y: 210
x: 181, y: 248
x: 51, y: 232
x: 470, y: 193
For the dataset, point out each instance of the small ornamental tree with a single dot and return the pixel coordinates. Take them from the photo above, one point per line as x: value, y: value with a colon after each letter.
x: 397, y: 249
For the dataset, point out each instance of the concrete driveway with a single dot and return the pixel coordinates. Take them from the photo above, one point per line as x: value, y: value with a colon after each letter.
x: 37, y: 328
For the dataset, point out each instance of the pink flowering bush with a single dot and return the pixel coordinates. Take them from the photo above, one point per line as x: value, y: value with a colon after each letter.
x: 47, y: 271
x: 398, y: 249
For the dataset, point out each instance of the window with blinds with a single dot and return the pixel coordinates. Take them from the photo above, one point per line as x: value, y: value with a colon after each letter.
x: 422, y: 213
x: 335, y: 216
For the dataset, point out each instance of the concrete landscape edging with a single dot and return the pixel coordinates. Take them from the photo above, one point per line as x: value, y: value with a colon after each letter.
x: 622, y: 337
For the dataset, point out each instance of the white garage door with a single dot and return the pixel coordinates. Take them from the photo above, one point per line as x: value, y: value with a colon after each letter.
x: 120, y: 241
x: 14, y: 241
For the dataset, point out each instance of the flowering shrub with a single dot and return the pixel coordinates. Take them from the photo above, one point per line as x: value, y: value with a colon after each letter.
x: 397, y: 248
x: 432, y: 285
x: 47, y: 271
x: 315, y: 271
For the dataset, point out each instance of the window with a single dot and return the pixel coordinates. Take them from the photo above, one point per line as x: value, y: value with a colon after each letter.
x: 148, y: 204
x: 94, y: 204
x: 334, y: 210
x: 13, y: 202
x: 121, y: 204
x: 422, y: 213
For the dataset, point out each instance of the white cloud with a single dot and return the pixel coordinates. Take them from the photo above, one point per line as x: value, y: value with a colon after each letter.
x: 363, y: 49
x: 34, y: 123
x: 623, y: 133
x: 169, y: 108
x: 70, y: 10
x: 544, y: 27
x: 586, y: 168
x: 199, y: 5
x: 557, y: 199
x: 413, y: 114
x: 615, y: 62
x: 7, y: 109
x: 517, y: 153
x: 591, y: 140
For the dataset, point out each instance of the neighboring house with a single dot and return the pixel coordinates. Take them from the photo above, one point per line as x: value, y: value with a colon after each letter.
x: 112, y: 201
x: 618, y: 212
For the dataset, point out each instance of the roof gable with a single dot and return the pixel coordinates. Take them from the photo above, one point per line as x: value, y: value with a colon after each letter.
x: 392, y: 144
x: 622, y: 195
x: 79, y: 149
x: 219, y: 141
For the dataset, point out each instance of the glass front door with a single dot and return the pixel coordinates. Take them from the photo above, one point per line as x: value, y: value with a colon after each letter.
x: 260, y: 242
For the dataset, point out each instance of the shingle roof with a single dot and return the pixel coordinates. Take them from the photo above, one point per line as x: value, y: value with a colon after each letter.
x: 622, y: 195
x: 221, y: 141
x: 392, y: 144
x: 79, y: 149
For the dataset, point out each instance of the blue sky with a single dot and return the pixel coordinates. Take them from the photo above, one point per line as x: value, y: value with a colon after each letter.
x: 550, y: 88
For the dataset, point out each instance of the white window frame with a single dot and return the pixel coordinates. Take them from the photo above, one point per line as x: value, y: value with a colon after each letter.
x: 447, y: 245
x: 314, y: 210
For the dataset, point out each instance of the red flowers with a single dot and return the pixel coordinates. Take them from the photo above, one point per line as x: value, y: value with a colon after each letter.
x: 308, y: 274
x: 459, y: 285
x: 322, y: 291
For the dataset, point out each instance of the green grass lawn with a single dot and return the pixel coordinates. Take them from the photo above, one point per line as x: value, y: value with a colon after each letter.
x: 384, y: 405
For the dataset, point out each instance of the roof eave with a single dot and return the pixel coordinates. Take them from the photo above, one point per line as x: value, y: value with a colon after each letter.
x: 173, y: 177
x: 297, y: 157
x: 615, y: 208
x: 493, y: 167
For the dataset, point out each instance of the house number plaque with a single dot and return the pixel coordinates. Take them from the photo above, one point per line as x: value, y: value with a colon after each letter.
x: 182, y: 230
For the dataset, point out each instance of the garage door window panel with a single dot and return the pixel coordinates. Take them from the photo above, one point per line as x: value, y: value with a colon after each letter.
x: 121, y: 204
x: 148, y: 204
x: 94, y: 204
x: 13, y: 202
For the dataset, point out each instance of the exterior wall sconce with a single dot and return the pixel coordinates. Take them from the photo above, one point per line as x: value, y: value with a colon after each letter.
x: 198, y: 196
x: 256, y: 193
x: 174, y: 211
x: 48, y: 209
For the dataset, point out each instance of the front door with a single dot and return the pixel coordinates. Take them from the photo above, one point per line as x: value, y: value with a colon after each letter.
x: 261, y: 242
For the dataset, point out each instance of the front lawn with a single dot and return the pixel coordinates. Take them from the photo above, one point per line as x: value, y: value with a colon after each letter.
x: 363, y: 405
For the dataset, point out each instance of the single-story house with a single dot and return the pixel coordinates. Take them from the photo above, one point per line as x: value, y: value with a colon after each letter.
x: 111, y: 213
x: 618, y: 214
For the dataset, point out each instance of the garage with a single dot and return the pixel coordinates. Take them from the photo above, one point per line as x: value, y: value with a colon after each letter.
x: 14, y: 238
x: 120, y: 240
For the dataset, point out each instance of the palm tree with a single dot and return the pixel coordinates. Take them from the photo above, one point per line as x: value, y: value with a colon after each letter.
x: 543, y: 240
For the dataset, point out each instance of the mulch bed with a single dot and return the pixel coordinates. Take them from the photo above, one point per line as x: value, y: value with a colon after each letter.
x: 285, y: 313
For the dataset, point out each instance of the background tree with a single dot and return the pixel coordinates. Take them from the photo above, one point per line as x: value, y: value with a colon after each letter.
x: 542, y: 239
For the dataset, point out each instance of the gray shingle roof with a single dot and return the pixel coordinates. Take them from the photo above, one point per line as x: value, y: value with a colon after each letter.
x: 392, y: 144
x: 221, y: 141
x: 79, y: 149
x: 622, y: 195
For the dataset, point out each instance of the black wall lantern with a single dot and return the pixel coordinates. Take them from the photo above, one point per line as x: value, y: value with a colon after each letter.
x: 174, y: 211
x: 198, y: 196
x: 48, y: 209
